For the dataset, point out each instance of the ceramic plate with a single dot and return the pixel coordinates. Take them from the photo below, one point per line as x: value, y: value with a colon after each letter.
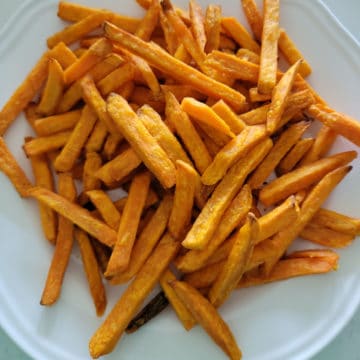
x: 286, y: 320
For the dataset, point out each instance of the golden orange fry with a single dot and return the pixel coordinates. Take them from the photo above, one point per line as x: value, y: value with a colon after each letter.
x: 254, y: 17
x: 212, y: 25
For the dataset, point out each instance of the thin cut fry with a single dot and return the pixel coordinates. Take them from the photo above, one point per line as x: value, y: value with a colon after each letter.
x: 197, y: 23
x: 93, y: 56
x: 302, y: 177
x: 338, y: 222
x: 108, y: 334
x: 44, y: 177
x: 171, y: 40
x: 236, y: 149
x: 92, y: 164
x: 248, y: 55
x: 53, y: 89
x: 180, y: 217
x: 118, y: 168
x: 129, y: 223
x: 269, y: 47
x: 72, y: 149
x: 289, y: 162
x: 45, y: 144
x: 146, y: 241
x: 292, y: 54
x: 285, y: 142
x: 240, y: 34
x: 149, y: 21
x: 210, y: 216
x: 340, y: 123
x: 158, y: 129
x: 76, y: 214
x: 325, y: 236
x: 224, y: 111
x: 312, y: 203
x: 63, y: 55
x: 278, y: 218
x: 69, y: 11
x: 235, y: 265
x: 180, y: 309
x: 10, y: 167
x: 158, y: 58
x: 92, y: 271
x: 141, y: 140
x: 78, y: 30
x: 234, y: 214
x: 53, y: 124
x: 255, y: 96
x: 64, y: 244
x: 212, y: 27
x: 97, y: 137
x: 106, y: 207
x: 279, y: 97
x: 290, y: 267
x: 206, y: 315
x: 253, y: 17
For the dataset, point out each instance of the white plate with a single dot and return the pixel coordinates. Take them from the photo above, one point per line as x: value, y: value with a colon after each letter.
x: 287, y: 320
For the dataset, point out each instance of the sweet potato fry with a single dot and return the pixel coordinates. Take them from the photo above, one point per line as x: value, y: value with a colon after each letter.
x: 233, y: 215
x: 255, y: 96
x: 240, y: 34
x: 106, y: 207
x: 285, y: 142
x: 72, y: 149
x: 248, y: 55
x: 146, y: 241
x: 63, y: 247
x: 119, y: 167
x: 269, y: 47
x: 149, y: 21
x: 74, y: 93
x: 277, y: 219
x: 204, y: 114
x: 212, y: 25
x: 64, y: 55
x: 92, y: 164
x: 338, y: 122
x: 183, y: 33
x: 180, y: 217
x: 289, y: 161
x: 93, y: 56
x: 53, y: 89
x: 254, y: 17
x: 151, y: 200
x: 171, y: 40
x: 288, y: 268
x: 45, y: 144
x: 102, y: 253
x: 108, y: 334
x: 207, y: 316
x: 161, y: 60
x: 75, y: 12
x: 235, y: 265
x: 302, y: 177
x: 324, y: 236
x: 199, y: 235
x: 224, y: 111
x: 97, y: 137
x: 322, y: 144
x: 158, y: 129
x: 292, y: 54
x: 280, y: 94
x: 337, y: 222
x: 236, y: 149
x: 197, y: 23
x: 116, y: 79
x: 141, y: 140
x: 76, y: 214
x: 180, y: 309
x: 57, y: 123
x: 10, y: 167
x: 281, y: 241
x: 44, y: 177
x: 75, y: 32
x: 92, y: 271
x: 129, y: 223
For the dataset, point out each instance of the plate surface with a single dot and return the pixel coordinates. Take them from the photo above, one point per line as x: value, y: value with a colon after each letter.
x: 288, y: 320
